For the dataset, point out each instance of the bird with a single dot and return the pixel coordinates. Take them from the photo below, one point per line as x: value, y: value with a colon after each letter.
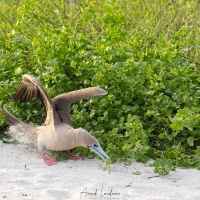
x: 57, y: 133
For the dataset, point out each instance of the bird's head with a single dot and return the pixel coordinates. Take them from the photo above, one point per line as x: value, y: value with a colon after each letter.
x: 88, y: 141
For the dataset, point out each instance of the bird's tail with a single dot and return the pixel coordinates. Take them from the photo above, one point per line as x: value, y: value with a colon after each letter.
x: 11, y: 119
x: 19, y: 130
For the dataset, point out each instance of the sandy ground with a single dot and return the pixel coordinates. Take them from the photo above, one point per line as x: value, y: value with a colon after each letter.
x: 23, y: 175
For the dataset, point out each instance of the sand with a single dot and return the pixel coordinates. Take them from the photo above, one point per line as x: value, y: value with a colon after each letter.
x: 23, y: 175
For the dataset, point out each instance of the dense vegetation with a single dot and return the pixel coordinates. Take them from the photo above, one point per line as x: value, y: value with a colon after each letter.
x: 146, y: 54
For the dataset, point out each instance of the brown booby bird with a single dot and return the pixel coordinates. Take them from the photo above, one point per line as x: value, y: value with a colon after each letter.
x: 57, y: 133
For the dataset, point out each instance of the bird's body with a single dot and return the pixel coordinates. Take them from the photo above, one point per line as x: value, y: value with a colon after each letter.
x: 62, y: 138
x: 57, y: 133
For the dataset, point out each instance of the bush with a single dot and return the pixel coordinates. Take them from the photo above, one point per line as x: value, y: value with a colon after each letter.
x: 144, y: 53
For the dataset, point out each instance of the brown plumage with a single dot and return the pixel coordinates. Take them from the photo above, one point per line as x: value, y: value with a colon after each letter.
x: 57, y: 134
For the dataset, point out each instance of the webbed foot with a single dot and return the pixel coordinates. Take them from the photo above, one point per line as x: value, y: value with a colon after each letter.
x: 73, y: 157
x: 49, y: 160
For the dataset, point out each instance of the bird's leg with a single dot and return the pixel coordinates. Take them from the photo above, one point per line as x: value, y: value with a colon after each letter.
x: 48, y: 160
x: 73, y: 157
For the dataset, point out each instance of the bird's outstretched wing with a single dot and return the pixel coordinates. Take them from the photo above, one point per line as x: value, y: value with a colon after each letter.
x: 62, y: 102
x: 31, y: 87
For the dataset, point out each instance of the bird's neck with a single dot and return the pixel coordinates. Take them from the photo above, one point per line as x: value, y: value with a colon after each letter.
x: 79, y: 135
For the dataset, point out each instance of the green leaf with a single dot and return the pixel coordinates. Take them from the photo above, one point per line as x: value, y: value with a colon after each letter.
x: 18, y: 70
x: 177, y: 124
x: 137, y: 173
x: 163, y: 166
x: 107, y: 7
x: 190, y: 141
x: 108, y: 57
x: 107, y: 165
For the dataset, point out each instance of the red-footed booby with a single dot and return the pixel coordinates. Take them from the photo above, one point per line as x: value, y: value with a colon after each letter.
x: 57, y: 133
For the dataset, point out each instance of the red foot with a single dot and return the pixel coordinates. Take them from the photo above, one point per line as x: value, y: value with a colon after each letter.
x: 49, y: 160
x: 73, y: 157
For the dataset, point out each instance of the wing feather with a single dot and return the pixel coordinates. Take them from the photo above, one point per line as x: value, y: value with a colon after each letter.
x: 62, y: 102
x: 30, y: 88
x: 19, y: 92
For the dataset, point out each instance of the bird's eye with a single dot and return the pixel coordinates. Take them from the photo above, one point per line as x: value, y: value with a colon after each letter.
x: 95, y: 145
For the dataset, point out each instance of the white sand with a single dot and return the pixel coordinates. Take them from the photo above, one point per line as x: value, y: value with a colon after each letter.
x: 23, y: 175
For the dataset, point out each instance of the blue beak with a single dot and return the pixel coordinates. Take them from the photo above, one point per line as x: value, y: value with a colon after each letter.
x: 99, y: 151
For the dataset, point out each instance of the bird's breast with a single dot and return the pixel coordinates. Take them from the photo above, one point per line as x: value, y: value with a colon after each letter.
x: 62, y: 139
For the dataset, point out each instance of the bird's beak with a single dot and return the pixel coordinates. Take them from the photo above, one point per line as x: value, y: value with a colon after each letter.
x: 99, y: 151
